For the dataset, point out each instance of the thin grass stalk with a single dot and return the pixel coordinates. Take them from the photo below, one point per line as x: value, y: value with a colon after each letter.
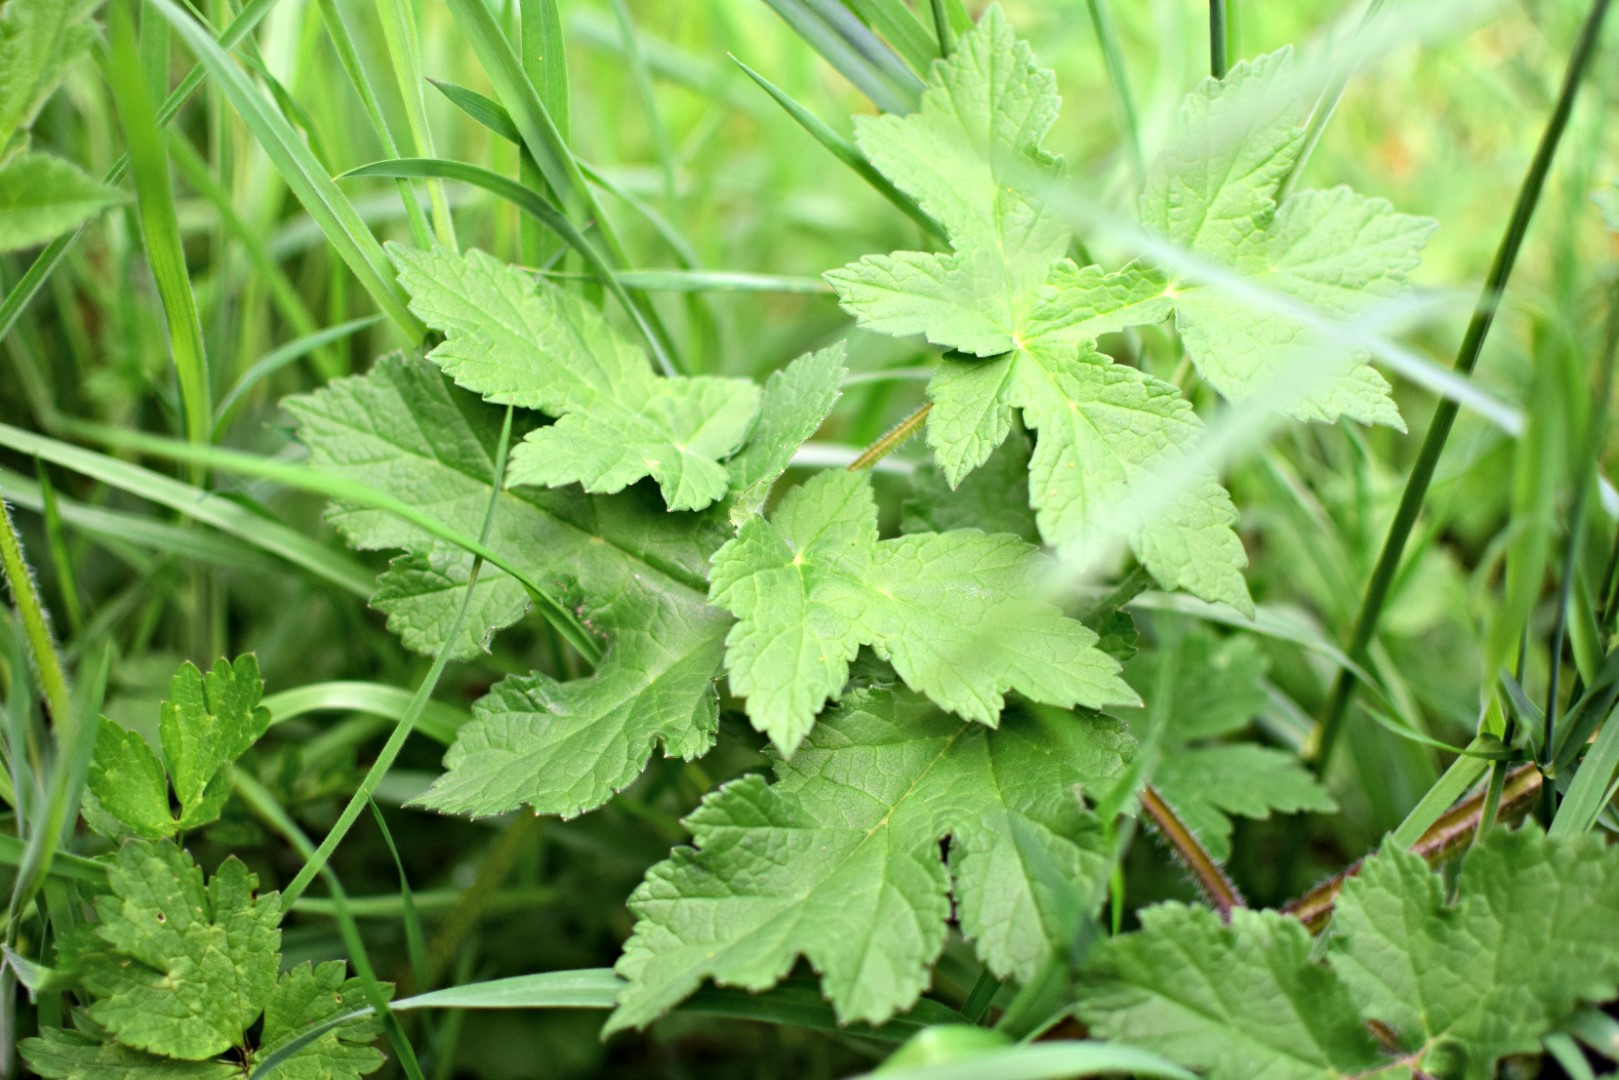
x: 1218, y: 63
x: 1107, y: 38
x: 1478, y: 329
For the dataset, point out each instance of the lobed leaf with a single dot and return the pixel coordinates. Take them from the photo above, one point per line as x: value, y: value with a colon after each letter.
x: 958, y: 614
x: 838, y: 861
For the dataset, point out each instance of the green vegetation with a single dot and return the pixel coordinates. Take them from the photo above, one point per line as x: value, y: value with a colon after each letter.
x: 480, y: 606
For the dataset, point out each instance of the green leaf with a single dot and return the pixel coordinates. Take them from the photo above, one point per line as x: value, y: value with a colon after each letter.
x: 38, y: 39
x: 1206, y: 688
x: 1214, y: 192
x: 307, y: 997
x: 1005, y: 292
x: 517, y: 342
x: 177, y: 969
x: 983, y: 114
x: 42, y: 197
x: 838, y: 861
x: 1232, y: 1001
x: 958, y: 614
x: 796, y: 400
x: 991, y: 498
x: 560, y: 747
x: 128, y: 782
x: 1455, y: 986
x: 206, y: 723
x: 1531, y: 937
x: 67, y: 1055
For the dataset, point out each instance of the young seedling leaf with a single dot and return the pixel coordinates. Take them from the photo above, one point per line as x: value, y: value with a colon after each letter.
x: 838, y: 861
x: 958, y: 614
x: 641, y: 573
x: 1023, y: 320
x: 518, y: 342
x: 206, y: 723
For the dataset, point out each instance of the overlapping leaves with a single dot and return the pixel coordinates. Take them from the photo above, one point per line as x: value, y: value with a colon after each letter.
x: 1456, y: 986
x: 177, y: 972
x: 838, y: 860
x: 957, y: 613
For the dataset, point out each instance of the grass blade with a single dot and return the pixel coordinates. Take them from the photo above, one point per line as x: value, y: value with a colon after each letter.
x: 850, y: 47
x: 297, y: 165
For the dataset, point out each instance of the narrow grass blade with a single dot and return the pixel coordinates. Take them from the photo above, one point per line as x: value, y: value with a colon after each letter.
x: 1592, y: 787
x: 1462, y: 774
x: 1045, y: 1061
x: 850, y: 47
x: 545, y: 61
x: 302, y: 172
x: 160, y: 225
x: 1472, y: 346
x: 846, y: 152
x: 274, y: 361
x: 896, y: 22
x: 437, y: 721
x: 642, y: 78
x: 62, y: 560
x: 223, y: 514
x: 531, y: 203
x: 1107, y: 39
x: 46, y: 261
x: 399, y: 31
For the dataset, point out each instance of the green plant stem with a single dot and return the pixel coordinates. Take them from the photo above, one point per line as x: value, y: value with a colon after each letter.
x: 1217, y: 39
x: 396, y: 740
x: 36, y: 627
x: 1219, y: 889
x: 1416, y: 487
x: 1113, y: 56
x: 891, y: 440
x: 1325, y: 106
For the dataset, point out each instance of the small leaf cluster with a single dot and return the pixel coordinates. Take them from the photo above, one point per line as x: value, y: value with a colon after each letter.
x: 176, y: 971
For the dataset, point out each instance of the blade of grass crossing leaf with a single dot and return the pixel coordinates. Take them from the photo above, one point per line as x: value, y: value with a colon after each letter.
x: 398, y: 20
x: 531, y: 203
x: 854, y: 51
x: 396, y: 741
x: 943, y: 32
x: 160, y: 225
x: 1478, y: 329
x: 846, y: 152
x: 230, y: 517
x: 896, y: 22
x: 45, y: 263
x: 271, y: 812
x: 313, y: 480
x: 326, y: 204
x: 349, y: 57
x: 1044, y: 1061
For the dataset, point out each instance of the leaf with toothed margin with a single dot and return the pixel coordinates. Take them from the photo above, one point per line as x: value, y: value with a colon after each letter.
x: 1214, y: 193
x: 958, y: 614
x: 796, y: 400
x: 838, y: 861
x: 534, y: 346
x: 637, y: 572
x: 1023, y: 321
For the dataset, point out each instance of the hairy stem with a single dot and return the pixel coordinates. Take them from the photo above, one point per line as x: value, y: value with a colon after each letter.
x: 35, y: 626
x: 1445, y: 839
x: 1416, y: 486
x: 1210, y: 878
x: 892, y: 439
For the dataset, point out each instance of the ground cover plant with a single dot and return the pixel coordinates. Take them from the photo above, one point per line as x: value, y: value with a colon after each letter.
x: 578, y: 538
